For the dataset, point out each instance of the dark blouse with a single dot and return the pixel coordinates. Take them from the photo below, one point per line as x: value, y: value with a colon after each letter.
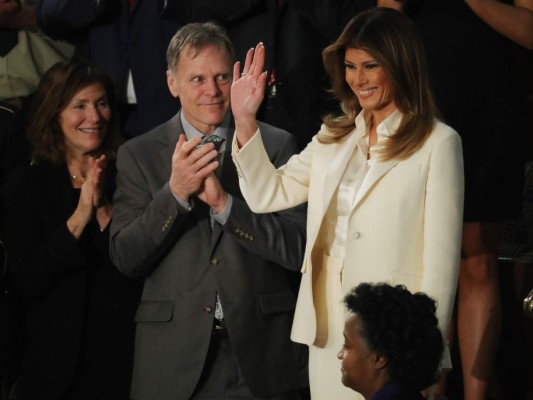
x: 79, y: 308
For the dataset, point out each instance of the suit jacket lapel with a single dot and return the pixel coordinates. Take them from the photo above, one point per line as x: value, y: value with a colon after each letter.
x: 172, y: 131
x: 374, y: 174
x: 335, y: 157
x: 378, y: 168
x: 331, y: 166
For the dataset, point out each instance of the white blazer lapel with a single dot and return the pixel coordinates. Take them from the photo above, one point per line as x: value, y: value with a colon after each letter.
x: 379, y: 168
x: 374, y: 174
x: 334, y: 158
x: 326, y: 176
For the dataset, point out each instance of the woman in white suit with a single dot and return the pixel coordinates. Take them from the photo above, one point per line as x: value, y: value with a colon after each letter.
x: 383, y: 182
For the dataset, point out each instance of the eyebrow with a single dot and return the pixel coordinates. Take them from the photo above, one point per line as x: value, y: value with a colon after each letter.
x: 371, y: 61
x: 83, y: 100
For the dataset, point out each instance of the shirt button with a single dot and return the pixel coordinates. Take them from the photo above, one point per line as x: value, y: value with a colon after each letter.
x: 208, y: 309
x: 355, y: 235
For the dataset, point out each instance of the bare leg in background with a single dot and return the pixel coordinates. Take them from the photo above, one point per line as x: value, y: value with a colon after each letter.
x: 479, y: 307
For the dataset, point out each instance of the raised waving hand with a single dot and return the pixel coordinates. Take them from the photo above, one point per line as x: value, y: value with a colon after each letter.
x: 247, y: 93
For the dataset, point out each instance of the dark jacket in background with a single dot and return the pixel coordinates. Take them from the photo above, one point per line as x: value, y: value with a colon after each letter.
x: 116, y: 40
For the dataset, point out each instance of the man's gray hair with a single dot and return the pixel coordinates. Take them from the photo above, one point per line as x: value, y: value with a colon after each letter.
x: 196, y: 36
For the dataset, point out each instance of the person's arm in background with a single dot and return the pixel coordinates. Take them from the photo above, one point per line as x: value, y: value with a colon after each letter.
x: 63, y: 19
x: 395, y: 4
x: 13, y: 15
x: 513, y: 21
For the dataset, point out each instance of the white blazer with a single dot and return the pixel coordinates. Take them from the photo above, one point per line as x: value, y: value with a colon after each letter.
x: 405, y: 227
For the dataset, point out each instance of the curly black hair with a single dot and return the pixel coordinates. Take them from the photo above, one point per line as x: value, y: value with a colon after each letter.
x: 402, y: 327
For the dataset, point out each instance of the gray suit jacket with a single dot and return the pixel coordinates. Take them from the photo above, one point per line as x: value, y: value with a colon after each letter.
x: 248, y: 261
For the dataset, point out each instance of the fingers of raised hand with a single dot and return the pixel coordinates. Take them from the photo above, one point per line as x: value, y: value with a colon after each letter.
x: 236, y: 70
x: 258, y: 61
x: 253, y: 64
x: 248, y: 62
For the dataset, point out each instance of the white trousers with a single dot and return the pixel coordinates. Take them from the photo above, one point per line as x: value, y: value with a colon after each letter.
x: 324, y: 366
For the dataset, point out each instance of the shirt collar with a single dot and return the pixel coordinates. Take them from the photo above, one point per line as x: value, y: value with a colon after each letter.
x: 192, y: 132
x: 386, y: 128
x: 390, y: 125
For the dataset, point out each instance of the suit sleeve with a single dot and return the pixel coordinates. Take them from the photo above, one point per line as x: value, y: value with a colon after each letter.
x: 267, y: 188
x: 64, y: 19
x: 144, y: 226
x: 279, y: 236
x: 443, y: 225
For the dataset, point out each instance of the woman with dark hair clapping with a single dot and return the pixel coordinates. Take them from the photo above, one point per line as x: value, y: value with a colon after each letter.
x: 80, y: 310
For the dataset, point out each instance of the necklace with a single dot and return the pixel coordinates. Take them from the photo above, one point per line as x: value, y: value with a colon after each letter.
x: 77, y: 178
